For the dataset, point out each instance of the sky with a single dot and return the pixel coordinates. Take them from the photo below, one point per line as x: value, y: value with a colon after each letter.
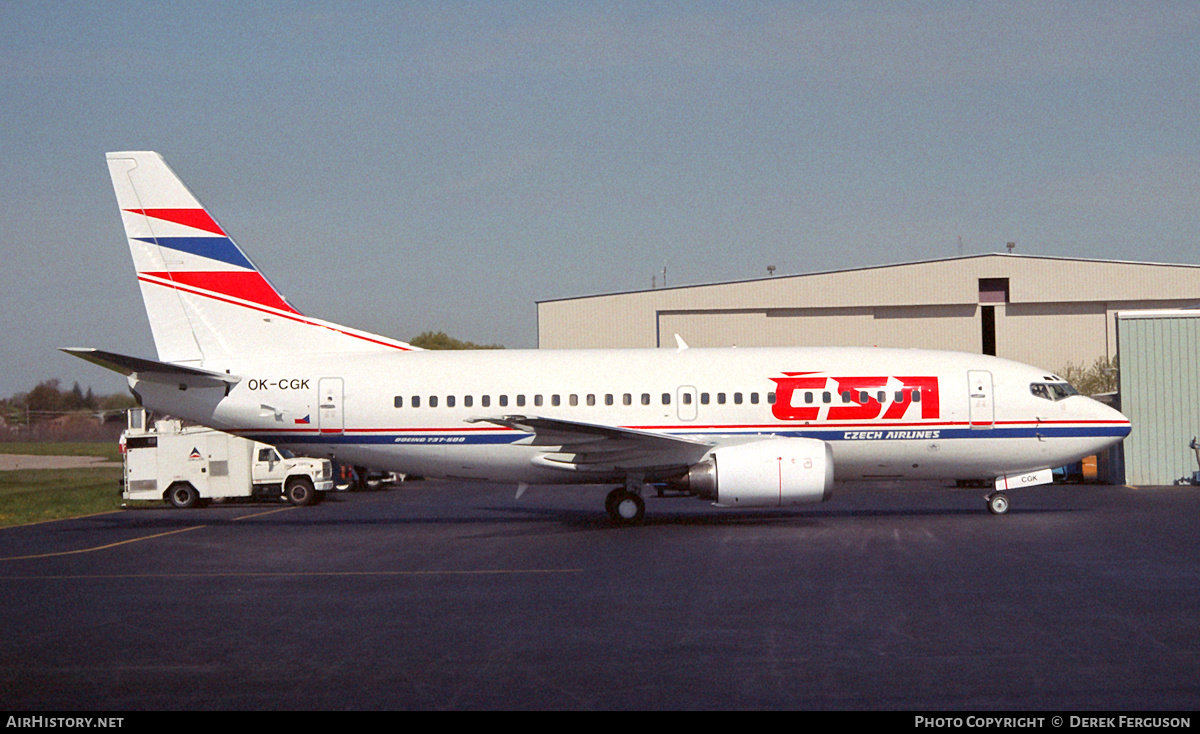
x: 401, y: 167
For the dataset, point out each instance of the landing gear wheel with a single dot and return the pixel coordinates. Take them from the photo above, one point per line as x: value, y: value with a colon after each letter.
x: 625, y: 507
x: 997, y: 503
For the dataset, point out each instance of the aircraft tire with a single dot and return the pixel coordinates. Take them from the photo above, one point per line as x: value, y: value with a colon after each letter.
x: 183, y: 495
x: 625, y: 507
x: 998, y: 503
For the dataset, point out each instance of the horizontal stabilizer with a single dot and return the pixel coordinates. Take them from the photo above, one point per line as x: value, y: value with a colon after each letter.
x: 154, y: 371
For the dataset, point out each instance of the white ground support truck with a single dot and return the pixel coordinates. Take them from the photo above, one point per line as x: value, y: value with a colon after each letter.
x: 188, y: 465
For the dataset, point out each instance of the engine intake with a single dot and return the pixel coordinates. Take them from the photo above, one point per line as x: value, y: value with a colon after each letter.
x: 769, y: 473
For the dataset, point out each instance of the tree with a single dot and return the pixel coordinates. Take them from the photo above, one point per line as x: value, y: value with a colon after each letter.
x: 48, y: 400
x: 45, y: 398
x: 439, y: 340
x: 1101, y: 377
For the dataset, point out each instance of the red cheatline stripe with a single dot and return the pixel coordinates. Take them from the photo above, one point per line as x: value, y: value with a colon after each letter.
x: 247, y: 285
x: 293, y: 315
x: 197, y: 218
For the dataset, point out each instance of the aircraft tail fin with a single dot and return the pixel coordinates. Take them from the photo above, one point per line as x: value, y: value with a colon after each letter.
x: 204, y: 298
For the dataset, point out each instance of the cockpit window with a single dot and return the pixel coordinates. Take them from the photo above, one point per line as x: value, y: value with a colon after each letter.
x: 1052, y: 390
x: 1062, y: 390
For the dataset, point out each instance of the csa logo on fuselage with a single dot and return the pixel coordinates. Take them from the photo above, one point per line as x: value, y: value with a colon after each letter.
x: 809, y: 396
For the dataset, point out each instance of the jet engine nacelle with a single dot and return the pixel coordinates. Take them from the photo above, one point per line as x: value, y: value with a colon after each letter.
x: 768, y: 473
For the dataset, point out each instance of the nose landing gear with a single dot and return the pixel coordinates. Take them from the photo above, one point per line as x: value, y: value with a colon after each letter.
x: 997, y: 503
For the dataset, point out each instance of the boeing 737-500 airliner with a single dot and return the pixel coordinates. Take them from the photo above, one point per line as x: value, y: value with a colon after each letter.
x: 749, y: 427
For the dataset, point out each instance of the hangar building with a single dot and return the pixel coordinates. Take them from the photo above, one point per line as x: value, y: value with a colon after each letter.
x: 1046, y: 311
x: 1160, y: 394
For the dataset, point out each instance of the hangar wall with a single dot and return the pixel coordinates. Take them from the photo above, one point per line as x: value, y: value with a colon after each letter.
x: 1160, y: 393
x: 1044, y: 311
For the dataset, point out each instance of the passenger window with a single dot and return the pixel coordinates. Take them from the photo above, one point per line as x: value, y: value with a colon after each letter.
x: 591, y: 399
x: 771, y: 398
x: 687, y: 398
x: 503, y: 401
x: 627, y: 399
x: 845, y: 396
x: 608, y: 399
x: 809, y: 397
x: 916, y: 396
x: 754, y: 398
x: 449, y: 401
x: 485, y: 401
x: 555, y: 400
x: 645, y: 398
x: 737, y: 398
x: 468, y: 401
x: 433, y: 401
x: 416, y: 401
x: 704, y: 398
x: 399, y: 402
x: 720, y: 398
x: 520, y: 401
x: 881, y: 396
x: 666, y: 398
x: 574, y: 400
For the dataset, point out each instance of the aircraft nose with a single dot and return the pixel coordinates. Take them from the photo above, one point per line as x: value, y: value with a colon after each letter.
x: 1115, y: 418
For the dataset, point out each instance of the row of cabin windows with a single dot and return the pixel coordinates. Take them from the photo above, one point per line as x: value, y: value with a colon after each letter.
x: 485, y: 401
x: 863, y: 397
x: 737, y: 398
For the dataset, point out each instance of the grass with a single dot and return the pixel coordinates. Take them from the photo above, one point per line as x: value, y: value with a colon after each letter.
x: 36, y: 495
x: 106, y: 449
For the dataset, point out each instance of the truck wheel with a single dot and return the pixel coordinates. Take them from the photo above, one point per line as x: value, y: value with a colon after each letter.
x: 183, y: 495
x: 300, y: 491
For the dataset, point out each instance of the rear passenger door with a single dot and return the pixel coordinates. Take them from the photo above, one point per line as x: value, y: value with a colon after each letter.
x: 329, y: 402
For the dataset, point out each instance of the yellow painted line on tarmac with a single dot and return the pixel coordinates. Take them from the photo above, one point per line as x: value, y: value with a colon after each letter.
x: 265, y: 512
x: 103, y: 547
x: 138, y: 539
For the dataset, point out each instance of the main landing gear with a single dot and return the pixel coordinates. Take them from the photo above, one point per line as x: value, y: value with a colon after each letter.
x: 997, y: 503
x: 625, y: 504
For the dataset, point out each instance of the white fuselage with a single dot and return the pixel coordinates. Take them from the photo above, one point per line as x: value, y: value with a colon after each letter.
x: 886, y: 413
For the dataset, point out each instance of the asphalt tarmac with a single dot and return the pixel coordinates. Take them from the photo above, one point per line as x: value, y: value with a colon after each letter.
x: 437, y: 595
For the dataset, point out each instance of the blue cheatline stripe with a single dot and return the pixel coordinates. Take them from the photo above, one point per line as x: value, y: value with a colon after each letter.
x: 866, y: 433
x: 390, y: 439
x: 214, y: 248
x: 919, y: 434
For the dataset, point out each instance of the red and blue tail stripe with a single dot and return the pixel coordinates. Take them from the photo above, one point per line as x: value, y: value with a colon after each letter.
x: 217, y: 265
x: 205, y: 299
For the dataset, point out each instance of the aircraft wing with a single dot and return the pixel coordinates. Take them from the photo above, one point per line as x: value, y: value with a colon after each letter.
x: 575, y: 446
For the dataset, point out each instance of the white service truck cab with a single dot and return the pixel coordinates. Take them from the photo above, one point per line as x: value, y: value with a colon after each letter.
x: 188, y: 465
